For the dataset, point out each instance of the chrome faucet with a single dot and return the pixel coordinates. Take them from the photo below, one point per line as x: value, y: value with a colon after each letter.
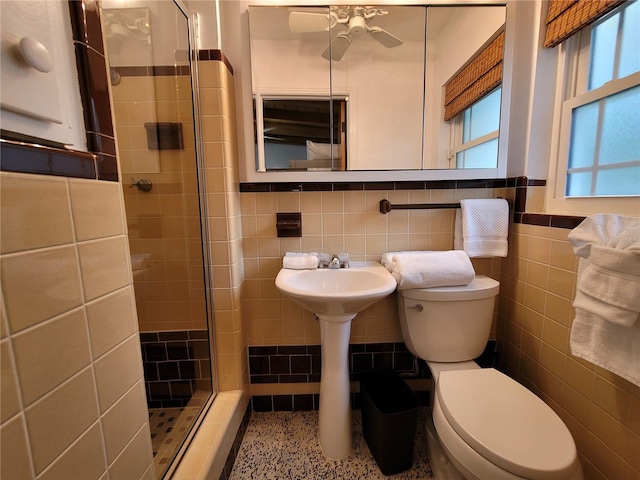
x: 339, y: 260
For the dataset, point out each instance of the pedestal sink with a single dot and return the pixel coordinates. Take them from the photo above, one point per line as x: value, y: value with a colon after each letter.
x: 336, y: 296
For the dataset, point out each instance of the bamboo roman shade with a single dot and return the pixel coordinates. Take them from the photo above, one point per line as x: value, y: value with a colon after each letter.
x: 566, y: 17
x: 481, y: 75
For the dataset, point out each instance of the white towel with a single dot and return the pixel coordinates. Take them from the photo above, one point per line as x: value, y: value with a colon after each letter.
x: 300, y: 261
x: 606, y: 330
x: 607, y: 345
x: 609, y: 285
x: 432, y: 269
x: 483, y: 227
x: 387, y: 258
x: 609, y: 276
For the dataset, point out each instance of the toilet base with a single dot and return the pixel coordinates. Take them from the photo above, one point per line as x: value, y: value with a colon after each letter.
x: 441, y: 466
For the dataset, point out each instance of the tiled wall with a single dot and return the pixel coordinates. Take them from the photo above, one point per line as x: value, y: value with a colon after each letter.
x: 223, y: 210
x: 176, y: 365
x: 73, y: 399
x: 337, y: 221
x: 164, y: 223
x: 601, y: 409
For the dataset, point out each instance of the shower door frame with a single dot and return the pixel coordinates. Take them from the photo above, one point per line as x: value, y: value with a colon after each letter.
x: 204, y: 232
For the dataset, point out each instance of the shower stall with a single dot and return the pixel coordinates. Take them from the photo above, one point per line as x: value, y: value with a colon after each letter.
x: 153, y: 83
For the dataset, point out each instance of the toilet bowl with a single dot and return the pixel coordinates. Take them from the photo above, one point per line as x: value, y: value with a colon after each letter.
x: 485, y: 424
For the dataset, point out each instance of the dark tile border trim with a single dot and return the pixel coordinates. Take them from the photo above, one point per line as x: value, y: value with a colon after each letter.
x: 41, y: 160
x: 154, y: 71
x: 216, y: 55
x: 248, y: 187
x: 94, y: 85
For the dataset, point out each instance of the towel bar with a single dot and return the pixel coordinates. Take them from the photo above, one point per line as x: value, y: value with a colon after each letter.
x: 386, y: 206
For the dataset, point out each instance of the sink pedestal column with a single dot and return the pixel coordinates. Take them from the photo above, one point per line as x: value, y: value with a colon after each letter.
x: 334, y: 419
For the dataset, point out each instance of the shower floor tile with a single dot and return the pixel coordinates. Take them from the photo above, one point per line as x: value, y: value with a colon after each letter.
x: 284, y: 445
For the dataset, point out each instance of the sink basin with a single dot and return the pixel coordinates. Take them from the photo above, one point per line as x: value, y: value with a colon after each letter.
x: 336, y: 296
x: 337, y: 291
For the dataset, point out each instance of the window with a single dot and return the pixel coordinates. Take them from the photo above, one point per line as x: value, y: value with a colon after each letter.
x: 599, y: 143
x: 475, y: 133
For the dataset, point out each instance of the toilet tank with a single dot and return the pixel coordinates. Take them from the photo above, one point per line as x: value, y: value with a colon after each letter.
x: 448, y: 324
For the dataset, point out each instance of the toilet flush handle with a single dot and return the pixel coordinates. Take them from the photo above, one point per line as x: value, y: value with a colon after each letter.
x: 418, y: 307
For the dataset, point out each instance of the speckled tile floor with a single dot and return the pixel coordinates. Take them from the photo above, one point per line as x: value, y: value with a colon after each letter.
x: 284, y: 445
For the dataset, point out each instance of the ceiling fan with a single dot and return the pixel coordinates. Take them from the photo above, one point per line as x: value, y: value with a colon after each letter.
x: 352, y: 17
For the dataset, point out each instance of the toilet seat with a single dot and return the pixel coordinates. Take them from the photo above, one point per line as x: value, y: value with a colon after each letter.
x: 485, y: 409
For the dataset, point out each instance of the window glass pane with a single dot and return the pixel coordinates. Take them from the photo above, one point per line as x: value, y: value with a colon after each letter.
x: 484, y: 155
x: 630, y: 51
x: 620, y: 141
x: 618, y: 181
x: 485, y: 115
x: 584, y: 125
x: 603, y: 47
x: 579, y: 184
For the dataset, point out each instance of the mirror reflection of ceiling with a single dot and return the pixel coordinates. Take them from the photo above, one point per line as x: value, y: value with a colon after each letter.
x: 394, y: 122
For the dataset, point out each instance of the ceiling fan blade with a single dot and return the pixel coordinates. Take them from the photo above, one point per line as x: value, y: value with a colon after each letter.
x: 308, y: 22
x: 384, y: 37
x: 338, y: 47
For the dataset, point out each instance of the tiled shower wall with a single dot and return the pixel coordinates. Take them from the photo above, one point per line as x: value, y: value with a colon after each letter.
x: 164, y: 223
x: 73, y: 398
x: 601, y: 409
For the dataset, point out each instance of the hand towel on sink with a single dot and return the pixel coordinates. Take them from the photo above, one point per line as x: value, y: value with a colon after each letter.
x: 482, y: 228
x: 299, y: 261
x: 432, y: 269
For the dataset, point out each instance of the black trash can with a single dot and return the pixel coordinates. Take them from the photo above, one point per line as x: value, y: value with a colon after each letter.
x: 389, y: 416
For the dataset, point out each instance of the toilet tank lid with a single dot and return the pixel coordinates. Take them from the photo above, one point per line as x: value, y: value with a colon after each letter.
x: 480, y: 287
x: 507, y: 424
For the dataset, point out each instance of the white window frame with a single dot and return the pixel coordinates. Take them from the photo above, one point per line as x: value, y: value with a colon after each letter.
x: 571, y: 77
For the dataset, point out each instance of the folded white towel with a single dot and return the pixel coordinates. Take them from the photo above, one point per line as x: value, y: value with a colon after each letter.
x: 606, y: 330
x: 607, y: 345
x: 483, y: 227
x: 609, y: 276
x: 299, y: 261
x: 432, y: 269
x: 609, y: 285
x: 387, y: 258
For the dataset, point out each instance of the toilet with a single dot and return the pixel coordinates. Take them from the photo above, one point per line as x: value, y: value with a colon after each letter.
x: 484, y: 425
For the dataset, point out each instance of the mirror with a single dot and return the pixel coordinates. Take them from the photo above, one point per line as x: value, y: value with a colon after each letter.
x: 389, y: 64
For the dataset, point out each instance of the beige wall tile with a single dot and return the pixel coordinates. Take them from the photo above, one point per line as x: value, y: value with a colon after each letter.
x: 92, y: 206
x: 49, y: 354
x: 58, y: 419
x: 14, y: 450
x: 105, y: 266
x: 50, y: 275
x: 9, y: 398
x: 111, y: 318
x: 84, y: 460
x: 135, y: 459
x: 117, y: 371
x: 45, y: 201
x: 124, y: 419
